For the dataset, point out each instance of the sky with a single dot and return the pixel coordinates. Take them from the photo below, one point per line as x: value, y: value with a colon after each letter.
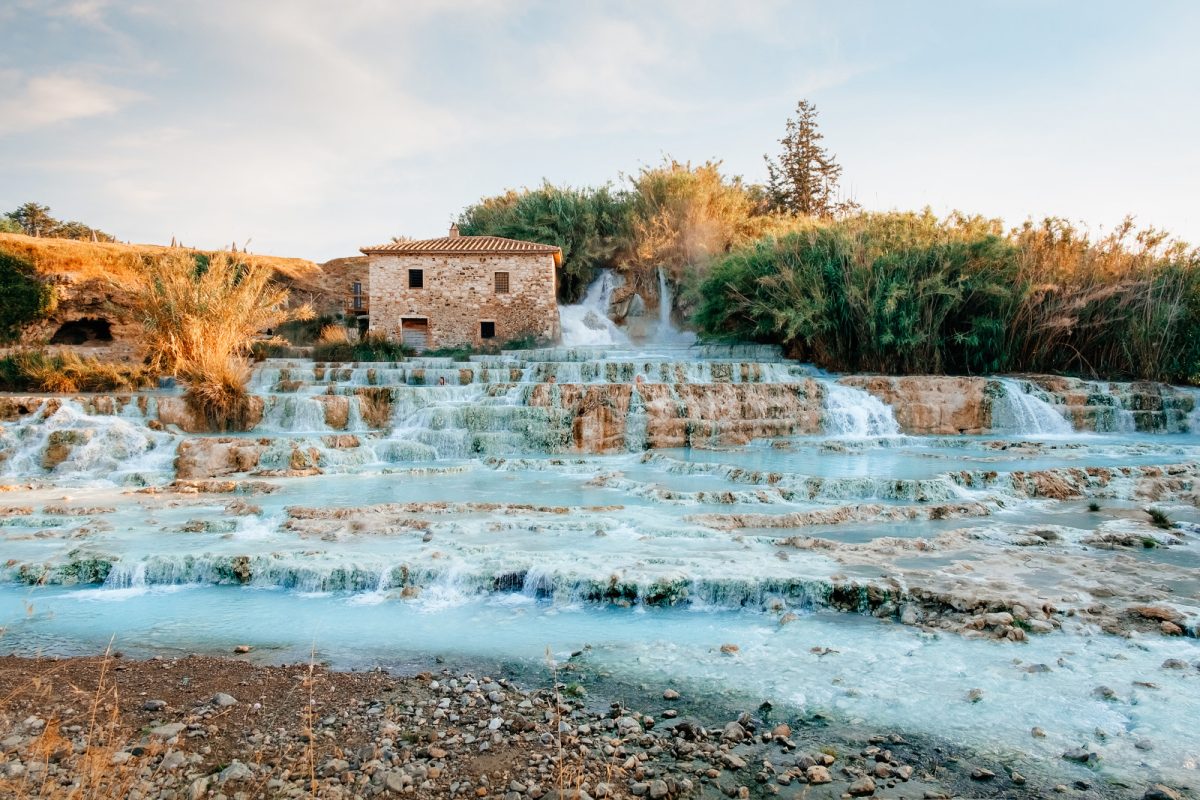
x: 311, y: 128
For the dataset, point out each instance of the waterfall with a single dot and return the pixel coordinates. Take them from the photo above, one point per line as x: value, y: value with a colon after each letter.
x: 853, y: 413
x: 1193, y: 418
x: 667, y: 333
x: 1019, y: 410
x: 1115, y: 418
x: 587, y: 322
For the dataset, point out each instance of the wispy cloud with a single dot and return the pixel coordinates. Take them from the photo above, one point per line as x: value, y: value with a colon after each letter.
x: 37, y: 101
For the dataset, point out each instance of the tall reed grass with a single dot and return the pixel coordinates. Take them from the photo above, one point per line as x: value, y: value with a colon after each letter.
x: 908, y: 293
x: 202, y: 313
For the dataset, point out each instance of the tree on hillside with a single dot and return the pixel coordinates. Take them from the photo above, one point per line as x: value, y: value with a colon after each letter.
x: 804, y: 181
x: 34, y: 219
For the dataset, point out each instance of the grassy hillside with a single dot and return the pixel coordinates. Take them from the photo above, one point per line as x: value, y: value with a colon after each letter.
x: 122, y: 262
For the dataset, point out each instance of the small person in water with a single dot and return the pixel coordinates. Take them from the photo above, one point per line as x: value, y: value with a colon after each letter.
x: 442, y: 381
x: 553, y: 379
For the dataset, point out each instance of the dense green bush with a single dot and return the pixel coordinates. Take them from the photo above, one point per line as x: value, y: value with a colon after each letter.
x: 23, y: 298
x: 590, y: 225
x: 908, y: 293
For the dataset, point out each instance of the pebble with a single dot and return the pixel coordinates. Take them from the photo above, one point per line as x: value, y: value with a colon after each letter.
x: 222, y: 700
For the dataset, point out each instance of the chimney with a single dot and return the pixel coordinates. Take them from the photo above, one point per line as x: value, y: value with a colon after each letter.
x: 454, y: 231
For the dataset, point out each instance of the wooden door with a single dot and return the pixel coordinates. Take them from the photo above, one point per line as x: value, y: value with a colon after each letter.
x: 414, y: 334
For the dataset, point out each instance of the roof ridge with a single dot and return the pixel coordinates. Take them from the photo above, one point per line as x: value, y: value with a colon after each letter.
x: 463, y: 244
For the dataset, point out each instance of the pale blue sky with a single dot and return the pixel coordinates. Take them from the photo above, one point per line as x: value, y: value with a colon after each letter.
x: 313, y: 127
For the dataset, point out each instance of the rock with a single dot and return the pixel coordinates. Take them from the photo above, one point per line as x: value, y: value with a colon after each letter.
x: 781, y: 731
x: 1037, y: 733
x: 242, y: 648
x: 639, y: 789
x: 670, y: 694
x: 658, y: 789
x: 154, y: 705
x: 1160, y: 792
x: 1174, y: 663
x: 334, y: 767
x: 198, y: 788
x: 733, y: 732
x: 1170, y: 628
x: 982, y: 774
x: 172, y: 761
x: 999, y: 619
x: 395, y: 781
x: 975, y: 695
x: 818, y: 774
x: 236, y: 771
x: 119, y: 757
x: 862, y: 787
x: 168, y: 731
x: 1080, y: 755
x: 729, y: 649
x: 1104, y: 693
x: 1017, y: 778
x: 222, y: 700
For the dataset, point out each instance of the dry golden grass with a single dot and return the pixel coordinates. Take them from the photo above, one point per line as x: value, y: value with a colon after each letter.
x: 66, y: 372
x: 201, y: 322
x: 334, y: 334
x: 123, y: 262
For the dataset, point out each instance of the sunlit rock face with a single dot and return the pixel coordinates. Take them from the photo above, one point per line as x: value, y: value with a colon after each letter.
x: 680, y: 415
x: 930, y: 404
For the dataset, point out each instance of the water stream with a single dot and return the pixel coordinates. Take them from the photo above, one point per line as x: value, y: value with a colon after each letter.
x: 646, y: 506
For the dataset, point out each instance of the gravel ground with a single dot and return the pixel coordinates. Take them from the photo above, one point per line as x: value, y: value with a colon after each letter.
x: 204, y: 727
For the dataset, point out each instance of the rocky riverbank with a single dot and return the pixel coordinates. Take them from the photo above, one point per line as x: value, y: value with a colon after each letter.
x: 203, y: 727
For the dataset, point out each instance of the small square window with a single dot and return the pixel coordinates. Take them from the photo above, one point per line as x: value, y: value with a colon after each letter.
x: 501, y: 283
x: 416, y: 279
x: 487, y: 330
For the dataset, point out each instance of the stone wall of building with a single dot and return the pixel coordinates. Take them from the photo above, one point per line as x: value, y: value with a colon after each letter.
x: 459, y: 293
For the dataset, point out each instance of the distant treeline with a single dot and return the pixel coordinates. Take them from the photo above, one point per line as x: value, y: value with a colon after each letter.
x: 34, y: 219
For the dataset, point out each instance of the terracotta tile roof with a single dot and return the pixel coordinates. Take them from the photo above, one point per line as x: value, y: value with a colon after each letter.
x: 456, y: 245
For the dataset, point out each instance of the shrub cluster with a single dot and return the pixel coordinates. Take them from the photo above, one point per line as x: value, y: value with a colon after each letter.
x: 23, y: 298
x: 911, y: 293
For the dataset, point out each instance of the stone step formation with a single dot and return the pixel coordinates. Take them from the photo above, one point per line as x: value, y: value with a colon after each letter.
x: 718, y: 514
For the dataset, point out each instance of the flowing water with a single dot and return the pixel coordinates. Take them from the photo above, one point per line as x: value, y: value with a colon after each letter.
x: 648, y: 506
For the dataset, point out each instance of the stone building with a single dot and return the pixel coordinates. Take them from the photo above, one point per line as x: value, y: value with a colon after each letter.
x: 463, y: 290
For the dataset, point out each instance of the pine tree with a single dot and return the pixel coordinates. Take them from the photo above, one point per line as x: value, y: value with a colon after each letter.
x: 805, y: 179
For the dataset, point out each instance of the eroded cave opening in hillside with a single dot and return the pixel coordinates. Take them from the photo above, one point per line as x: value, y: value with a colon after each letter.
x: 83, y: 331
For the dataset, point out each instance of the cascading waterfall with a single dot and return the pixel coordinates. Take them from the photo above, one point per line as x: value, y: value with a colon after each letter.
x: 586, y: 323
x: 852, y: 413
x: 76, y: 445
x: 1117, y: 418
x: 666, y: 332
x: 1018, y: 410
